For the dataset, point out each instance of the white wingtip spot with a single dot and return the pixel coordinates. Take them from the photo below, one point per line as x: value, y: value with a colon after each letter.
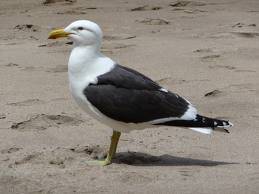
x: 163, y: 90
x: 190, y: 114
x: 226, y: 125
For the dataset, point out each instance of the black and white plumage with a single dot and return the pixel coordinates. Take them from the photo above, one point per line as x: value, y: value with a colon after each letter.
x: 127, y: 96
x: 120, y: 97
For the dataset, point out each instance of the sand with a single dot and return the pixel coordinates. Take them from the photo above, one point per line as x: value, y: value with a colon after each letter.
x: 206, y: 51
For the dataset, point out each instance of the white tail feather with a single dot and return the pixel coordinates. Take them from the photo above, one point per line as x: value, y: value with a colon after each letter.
x: 202, y: 130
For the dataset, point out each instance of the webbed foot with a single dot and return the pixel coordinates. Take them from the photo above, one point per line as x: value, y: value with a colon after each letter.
x: 99, y: 162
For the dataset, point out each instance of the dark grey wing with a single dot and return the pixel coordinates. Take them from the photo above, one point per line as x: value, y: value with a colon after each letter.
x: 128, y: 78
x: 128, y: 96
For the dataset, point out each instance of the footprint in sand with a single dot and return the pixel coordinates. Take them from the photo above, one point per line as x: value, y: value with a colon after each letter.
x: 28, y: 102
x: 72, y: 12
x: 25, y: 159
x: 56, y: 157
x: 210, y: 58
x: 213, y: 93
x: 241, y: 25
x: 95, y: 152
x: 12, y: 65
x: 58, y: 162
x: 2, y: 116
x: 146, y: 8
x: 59, y: 157
x: 245, y: 30
x: 187, y: 6
x: 150, y: 21
x: 49, y: 2
x: 203, y: 50
x: 63, y: 157
x: 209, y: 54
x: 10, y: 150
x: 43, y: 121
x: 182, y: 3
x: 27, y: 27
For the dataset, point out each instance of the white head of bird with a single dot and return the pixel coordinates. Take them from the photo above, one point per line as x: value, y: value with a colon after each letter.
x: 85, y: 59
x: 81, y: 32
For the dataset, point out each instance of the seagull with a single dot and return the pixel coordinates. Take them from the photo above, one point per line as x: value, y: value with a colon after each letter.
x: 120, y: 97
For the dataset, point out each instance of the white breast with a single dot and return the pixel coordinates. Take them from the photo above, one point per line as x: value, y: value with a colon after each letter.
x: 83, y: 68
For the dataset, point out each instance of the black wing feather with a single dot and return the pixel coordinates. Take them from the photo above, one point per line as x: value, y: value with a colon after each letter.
x: 128, y: 96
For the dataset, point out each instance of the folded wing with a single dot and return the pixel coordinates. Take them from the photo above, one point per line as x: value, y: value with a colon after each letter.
x: 128, y: 96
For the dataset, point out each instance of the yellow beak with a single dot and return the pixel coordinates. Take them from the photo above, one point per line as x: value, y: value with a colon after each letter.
x: 59, y: 33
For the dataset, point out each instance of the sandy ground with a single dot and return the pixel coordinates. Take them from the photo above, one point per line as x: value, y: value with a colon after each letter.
x: 207, y: 51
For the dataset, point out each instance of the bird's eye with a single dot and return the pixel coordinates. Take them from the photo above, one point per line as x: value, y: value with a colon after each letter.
x: 80, y: 28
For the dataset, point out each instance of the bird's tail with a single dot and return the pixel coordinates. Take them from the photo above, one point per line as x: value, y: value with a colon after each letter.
x: 202, y: 124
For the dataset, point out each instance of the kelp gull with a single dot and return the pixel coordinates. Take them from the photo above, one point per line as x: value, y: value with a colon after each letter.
x: 120, y: 97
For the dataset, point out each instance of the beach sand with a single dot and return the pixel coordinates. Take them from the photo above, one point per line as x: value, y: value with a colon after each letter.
x: 206, y: 51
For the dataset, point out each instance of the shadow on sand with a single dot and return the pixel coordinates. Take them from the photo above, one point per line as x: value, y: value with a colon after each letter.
x: 142, y: 159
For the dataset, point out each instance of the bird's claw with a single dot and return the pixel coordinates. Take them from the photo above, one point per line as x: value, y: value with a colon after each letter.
x: 99, y: 162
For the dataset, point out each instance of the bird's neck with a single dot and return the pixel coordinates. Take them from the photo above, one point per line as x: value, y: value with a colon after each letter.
x: 86, y: 62
x: 88, y: 51
x: 82, y: 57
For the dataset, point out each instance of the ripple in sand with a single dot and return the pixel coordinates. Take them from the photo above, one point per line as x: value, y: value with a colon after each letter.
x: 28, y: 102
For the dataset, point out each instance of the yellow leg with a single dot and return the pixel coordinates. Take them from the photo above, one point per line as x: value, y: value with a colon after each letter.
x: 112, y: 150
